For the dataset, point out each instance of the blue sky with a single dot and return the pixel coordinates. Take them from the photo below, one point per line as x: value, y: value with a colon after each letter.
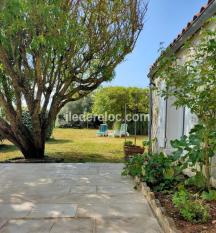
x: 164, y: 20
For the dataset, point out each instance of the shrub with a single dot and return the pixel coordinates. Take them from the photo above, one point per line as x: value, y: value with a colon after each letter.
x: 134, y: 166
x: 161, y: 172
x: 128, y: 143
x: 209, y: 196
x: 199, y: 181
x: 157, y: 170
x: 192, y: 210
x: 191, y: 149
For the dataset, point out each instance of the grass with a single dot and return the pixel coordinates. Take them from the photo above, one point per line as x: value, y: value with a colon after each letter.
x: 77, y: 145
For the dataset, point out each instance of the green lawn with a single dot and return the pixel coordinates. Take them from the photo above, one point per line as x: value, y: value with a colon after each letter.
x: 77, y: 145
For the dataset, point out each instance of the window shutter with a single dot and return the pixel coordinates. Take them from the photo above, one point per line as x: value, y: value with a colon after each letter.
x: 161, y: 118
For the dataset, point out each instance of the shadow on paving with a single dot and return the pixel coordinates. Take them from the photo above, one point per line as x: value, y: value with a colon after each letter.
x: 79, y: 198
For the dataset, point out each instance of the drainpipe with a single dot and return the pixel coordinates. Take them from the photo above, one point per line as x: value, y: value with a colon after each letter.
x: 151, y: 85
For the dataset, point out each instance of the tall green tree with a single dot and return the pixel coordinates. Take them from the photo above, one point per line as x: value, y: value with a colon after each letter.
x: 80, y: 106
x: 53, y: 52
x: 112, y: 100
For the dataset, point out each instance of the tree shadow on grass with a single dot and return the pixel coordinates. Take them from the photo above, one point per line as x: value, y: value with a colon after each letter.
x: 7, y: 148
x: 58, y: 141
x: 80, y: 157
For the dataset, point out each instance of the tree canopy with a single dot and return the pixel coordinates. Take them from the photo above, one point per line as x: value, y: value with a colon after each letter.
x: 53, y: 52
x: 112, y: 100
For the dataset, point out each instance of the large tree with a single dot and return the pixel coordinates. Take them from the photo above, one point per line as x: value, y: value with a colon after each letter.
x: 112, y: 100
x: 56, y: 51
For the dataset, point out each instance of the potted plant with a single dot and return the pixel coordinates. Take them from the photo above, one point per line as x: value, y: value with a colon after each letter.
x: 131, y: 149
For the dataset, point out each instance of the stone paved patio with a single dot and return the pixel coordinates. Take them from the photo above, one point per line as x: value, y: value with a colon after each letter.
x: 71, y: 198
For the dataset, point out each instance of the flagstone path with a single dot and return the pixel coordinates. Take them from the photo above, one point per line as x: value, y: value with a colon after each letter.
x: 71, y: 198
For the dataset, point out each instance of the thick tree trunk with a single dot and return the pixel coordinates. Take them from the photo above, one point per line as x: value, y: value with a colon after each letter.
x: 33, y: 152
x: 32, y: 147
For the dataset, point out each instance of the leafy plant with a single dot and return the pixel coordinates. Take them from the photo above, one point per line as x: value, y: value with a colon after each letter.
x: 192, y: 210
x: 128, y: 143
x: 161, y: 172
x: 134, y: 166
x: 192, y: 151
x: 209, y: 196
x: 199, y: 181
x: 193, y: 85
x: 146, y: 143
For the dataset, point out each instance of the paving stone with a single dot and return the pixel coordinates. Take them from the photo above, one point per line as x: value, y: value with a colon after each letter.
x: 83, y: 189
x: 3, y: 223
x: 118, y: 188
x: 73, y: 226
x: 9, y: 211
x: 122, y: 210
x: 27, y: 226
x: 98, y: 198
x: 53, y: 211
x: 68, y: 198
x: 128, y: 225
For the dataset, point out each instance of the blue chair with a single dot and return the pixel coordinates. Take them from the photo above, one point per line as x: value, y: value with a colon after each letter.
x: 103, y: 130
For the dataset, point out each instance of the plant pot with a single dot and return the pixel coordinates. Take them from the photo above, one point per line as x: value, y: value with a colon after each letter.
x: 132, y: 150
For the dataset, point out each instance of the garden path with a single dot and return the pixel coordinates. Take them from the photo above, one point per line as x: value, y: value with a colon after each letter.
x: 71, y: 198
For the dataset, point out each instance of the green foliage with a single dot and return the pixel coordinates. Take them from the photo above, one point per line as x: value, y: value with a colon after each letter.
x: 191, y: 209
x: 81, y: 106
x: 157, y: 170
x: 146, y: 143
x: 209, y: 196
x: 134, y: 166
x: 198, y: 180
x: 112, y: 100
x: 128, y: 143
x: 192, y: 145
x: 192, y: 82
x: 190, y: 150
x: 54, y: 52
x: 161, y: 172
x: 26, y: 119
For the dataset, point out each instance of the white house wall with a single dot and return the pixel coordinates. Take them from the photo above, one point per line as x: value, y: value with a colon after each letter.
x: 174, y: 117
x: 174, y: 123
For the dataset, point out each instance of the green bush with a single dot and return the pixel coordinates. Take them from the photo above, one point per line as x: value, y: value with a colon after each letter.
x: 26, y: 119
x: 157, y: 170
x: 209, y: 196
x: 128, y: 143
x: 134, y: 166
x: 161, y: 172
x: 192, y: 210
x: 197, y: 149
x: 199, y: 181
